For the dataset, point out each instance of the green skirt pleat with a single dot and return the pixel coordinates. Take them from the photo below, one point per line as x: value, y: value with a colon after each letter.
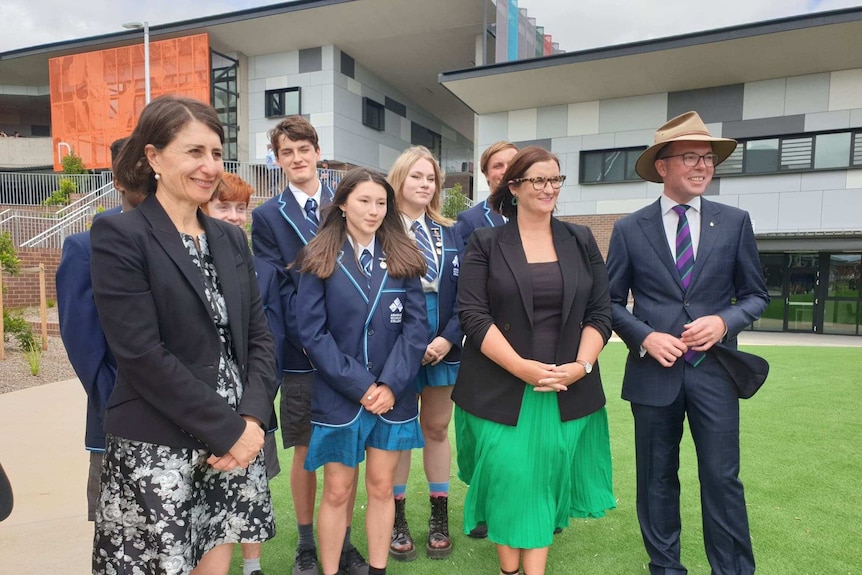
x: 527, y: 480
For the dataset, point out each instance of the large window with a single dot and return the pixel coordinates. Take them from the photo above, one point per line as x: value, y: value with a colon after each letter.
x: 224, y: 99
x: 282, y: 102
x: 603, y: 166
x: 422, y: 136
x: 806, y: 152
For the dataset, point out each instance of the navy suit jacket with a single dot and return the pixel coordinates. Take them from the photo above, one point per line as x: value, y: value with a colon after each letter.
x: 82, y: 335
x: 727, y: 281
x: 358, y: 332
x: 268, y: 278
x: 451, y: 252
x: 479, y: 216
x: 158, y: 322
x: 278, y: 231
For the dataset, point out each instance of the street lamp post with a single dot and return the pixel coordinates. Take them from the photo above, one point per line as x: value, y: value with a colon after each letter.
x: 146, y: 27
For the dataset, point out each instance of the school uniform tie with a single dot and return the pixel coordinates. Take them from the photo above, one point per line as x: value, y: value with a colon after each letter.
x: 311, y: 214
x: 427, y: 251
x: 685, y: 265
x: 365, y: 261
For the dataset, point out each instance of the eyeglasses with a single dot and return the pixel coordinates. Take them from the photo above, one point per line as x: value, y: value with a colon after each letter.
x: 691, y: 159
x: 540, y: 183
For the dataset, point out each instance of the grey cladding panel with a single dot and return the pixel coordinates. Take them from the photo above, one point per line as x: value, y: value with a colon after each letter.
x: 764, y: 127
x: 720, y: 104
x: 311, y: 60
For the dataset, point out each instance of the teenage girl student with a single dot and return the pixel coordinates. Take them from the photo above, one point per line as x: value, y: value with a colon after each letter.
x: 361, y: 316
x: 417, y: 181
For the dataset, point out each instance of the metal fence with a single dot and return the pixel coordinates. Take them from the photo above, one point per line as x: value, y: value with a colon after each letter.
x: 268, y: 182
x: 29, y: 189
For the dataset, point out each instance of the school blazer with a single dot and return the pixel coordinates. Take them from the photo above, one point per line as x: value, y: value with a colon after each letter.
x: 158, y: 322
x: 495, y: 288
x: 278, y: 231
x: 480, y: 215
x: 358, y: 332
x: 82, y: 334
x: 449, y: 257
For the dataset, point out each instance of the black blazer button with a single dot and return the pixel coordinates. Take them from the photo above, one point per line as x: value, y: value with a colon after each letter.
x: 506, y: 327
x: 370, y: 332
x: 686, y: 303
x: 369, y: 365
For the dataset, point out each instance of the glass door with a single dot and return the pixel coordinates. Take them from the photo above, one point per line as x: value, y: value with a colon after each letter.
x: 802, y: 285
x: 841, y: 305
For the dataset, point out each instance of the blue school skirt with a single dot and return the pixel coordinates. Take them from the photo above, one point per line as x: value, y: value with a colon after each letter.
x: 443, y: 373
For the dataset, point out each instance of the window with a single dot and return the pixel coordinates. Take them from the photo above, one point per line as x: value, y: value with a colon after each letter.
x: 422, y: 136
x: 373, y: 114
x: 605, y: 166
x: 806, y: 152
x: 282, y: 102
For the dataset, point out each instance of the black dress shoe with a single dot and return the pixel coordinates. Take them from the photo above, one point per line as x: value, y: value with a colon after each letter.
x: 479, y: 532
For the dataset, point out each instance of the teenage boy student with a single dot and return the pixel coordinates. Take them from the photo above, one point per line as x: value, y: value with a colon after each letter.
x: 280, y: 228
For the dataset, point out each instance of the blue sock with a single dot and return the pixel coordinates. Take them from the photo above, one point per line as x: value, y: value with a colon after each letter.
x: 399, y: 490
x: 440, y: 489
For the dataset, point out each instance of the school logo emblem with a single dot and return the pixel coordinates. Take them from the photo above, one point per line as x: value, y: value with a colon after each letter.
x: 456, y: 266
x: 396, y: 307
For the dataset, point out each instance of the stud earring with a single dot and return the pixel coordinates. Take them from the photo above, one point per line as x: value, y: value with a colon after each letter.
x: 514, y: 200
x: 158, y: 176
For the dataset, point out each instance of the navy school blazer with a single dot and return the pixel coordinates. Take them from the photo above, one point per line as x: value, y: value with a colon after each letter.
x: 449, y: 255
x: 479, y: 216
x: 357, y: 334
x: 82, y: 335
x: 158, y: 322
x: 278, y: 231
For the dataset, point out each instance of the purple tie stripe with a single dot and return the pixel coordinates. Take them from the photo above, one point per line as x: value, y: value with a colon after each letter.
x: 685, y: 265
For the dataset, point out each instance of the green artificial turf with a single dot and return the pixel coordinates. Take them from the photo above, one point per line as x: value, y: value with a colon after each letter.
x: 801, y: 466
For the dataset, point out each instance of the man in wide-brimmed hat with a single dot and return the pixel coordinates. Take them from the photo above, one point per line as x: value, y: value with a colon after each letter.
x: 693, y: 270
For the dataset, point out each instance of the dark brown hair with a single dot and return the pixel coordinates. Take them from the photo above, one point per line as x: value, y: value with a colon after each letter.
x: 320, y: 256
x: 160, y: 122
x: 293, y: 128
x: 501, y: 198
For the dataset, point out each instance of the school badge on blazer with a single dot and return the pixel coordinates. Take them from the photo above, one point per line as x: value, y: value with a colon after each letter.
x: 456, y: 266
x: 396, y: 308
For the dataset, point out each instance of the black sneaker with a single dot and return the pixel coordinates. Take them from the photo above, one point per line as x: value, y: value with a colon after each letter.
x: 305, y: 562
x: 479, y: 532
x: 352, y: 562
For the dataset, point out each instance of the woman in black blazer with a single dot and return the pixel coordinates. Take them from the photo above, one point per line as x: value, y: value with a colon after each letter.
x: 531, y: 426
x: 183, y: 478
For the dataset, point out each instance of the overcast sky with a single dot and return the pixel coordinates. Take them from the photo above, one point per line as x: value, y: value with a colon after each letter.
x: 575, y: 24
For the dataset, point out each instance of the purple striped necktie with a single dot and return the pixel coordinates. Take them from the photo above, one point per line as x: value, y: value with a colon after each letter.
x: 685, y: 265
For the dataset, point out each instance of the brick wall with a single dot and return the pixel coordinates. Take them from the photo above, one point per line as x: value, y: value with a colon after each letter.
x: 600, y: 225
x: 23, y: 290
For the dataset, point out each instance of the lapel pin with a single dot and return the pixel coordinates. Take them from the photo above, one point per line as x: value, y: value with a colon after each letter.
x: 712, y: 224
x: 382, y: 264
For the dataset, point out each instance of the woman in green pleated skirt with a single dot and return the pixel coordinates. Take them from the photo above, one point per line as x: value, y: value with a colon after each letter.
x: 527, y: 480
x: 530, y: 419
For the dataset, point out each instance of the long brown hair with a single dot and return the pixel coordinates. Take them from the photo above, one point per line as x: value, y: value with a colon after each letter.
x: 501, y: 198
x: 320, y: 256
x: 401, y: 169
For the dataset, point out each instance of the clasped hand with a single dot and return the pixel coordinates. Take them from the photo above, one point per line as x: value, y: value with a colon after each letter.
x: 244, y: 451
x: 550, y: 377
x: 699, y: 335
x: 436, y: 351
x: 378, y: 399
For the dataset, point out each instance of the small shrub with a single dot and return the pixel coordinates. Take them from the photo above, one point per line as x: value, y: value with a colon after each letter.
x: 73, y: 164
x: 455, y: 202
x: 34, y: 359
x: 61, y: 197
x: 50, y: 303
x: 16, y: 326
x: 8, y: 255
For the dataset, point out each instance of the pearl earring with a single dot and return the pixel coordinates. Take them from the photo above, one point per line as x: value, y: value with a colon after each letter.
x: 157, y: 176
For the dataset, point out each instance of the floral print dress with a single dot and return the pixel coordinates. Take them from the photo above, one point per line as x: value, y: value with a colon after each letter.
x: 161, y: 508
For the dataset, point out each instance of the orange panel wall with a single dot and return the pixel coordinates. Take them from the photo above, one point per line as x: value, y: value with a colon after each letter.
x: 96, y: 97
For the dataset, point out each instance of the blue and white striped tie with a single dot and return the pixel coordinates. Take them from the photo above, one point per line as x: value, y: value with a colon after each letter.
x: 311, y: 214
x: 365, y: 260
x: 427, y: 251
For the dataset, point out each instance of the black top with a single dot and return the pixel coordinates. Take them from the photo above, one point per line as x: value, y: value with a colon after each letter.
x: 547, y: 303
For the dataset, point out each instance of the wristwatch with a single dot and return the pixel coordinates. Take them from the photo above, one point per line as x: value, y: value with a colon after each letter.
x: 588, y: 367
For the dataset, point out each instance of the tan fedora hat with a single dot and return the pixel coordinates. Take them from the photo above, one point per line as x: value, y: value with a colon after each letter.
x: 687, y: 127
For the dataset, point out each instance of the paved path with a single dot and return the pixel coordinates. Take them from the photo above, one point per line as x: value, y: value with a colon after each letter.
x: 41, y: 438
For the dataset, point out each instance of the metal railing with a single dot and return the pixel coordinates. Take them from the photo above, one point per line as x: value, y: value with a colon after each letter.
x: 22, y: 188
x: 74, y: 218
x: 268, y: 182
